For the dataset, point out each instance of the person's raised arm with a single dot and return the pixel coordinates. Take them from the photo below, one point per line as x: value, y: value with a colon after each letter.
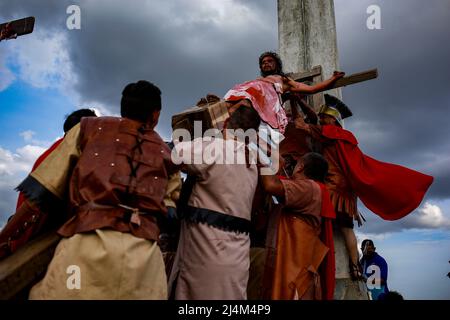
x: 299, y: 122
x: 295, y: 86
x: 272, y: 185
x: 308, y: 111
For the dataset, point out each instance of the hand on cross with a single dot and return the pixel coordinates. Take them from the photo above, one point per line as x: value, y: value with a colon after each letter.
x: 337, y: 75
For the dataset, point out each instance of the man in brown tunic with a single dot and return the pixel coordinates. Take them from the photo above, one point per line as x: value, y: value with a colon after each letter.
x: 293, y: 272
x: 114, y: 172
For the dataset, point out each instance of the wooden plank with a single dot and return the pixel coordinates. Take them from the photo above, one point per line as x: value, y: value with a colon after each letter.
x: 17, y: 28
x: 211, y: 116
x: 27, y: 265
x: 355, y: 78
x: 345, y: 81
x: 305, y: 75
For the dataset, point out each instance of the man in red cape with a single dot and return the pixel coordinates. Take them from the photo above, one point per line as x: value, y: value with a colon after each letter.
x: 389, y: 190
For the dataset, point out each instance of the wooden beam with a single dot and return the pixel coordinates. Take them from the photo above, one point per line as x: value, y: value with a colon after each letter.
x: 345, y: 81
x: 302, y: 76
x: 355, y: 78
x: 23, y: 268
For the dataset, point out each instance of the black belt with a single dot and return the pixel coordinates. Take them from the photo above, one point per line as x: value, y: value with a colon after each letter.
x: 216, y: 219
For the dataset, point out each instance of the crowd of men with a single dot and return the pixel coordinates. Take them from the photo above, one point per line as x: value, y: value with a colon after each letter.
x: 113, y: 188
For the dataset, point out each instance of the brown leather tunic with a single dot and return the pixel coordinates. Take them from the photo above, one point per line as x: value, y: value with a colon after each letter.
x: 122, y: 162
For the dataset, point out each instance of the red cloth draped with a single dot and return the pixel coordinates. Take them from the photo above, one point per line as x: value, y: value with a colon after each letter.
x: 328, y: 266
x: 264, y: 98
x: 389, y: 190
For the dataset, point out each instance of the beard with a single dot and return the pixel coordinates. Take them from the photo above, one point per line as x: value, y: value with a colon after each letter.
x: 269, y: 72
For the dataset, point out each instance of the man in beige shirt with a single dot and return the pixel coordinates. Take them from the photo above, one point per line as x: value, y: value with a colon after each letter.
x: 212, y: 260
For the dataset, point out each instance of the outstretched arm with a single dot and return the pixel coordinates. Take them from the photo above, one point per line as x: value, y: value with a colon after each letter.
x: 295, y: 86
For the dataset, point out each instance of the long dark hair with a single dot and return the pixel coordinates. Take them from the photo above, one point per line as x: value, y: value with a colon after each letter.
x: 279, y: 69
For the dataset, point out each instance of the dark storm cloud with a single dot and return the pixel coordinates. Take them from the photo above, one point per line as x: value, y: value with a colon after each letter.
x: 187, y: 48
x: 50, y: 14
x: 441, y: 186
x: 187, y: 55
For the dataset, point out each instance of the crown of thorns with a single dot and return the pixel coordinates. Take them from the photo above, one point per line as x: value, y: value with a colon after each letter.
x: 273, y: 55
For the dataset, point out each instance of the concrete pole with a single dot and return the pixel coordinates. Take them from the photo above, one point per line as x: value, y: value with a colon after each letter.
x: 307, y: 36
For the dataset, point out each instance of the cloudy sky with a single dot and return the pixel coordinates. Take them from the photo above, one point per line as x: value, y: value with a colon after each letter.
x: 193, y: 47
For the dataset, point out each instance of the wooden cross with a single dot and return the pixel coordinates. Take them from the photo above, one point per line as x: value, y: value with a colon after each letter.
x: 13, y: 29
x: 315, y: 76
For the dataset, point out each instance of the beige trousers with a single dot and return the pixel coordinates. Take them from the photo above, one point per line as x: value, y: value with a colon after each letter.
x: 104, y: 264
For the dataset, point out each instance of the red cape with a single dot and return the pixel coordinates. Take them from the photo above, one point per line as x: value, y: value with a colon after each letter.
x: 389, y: 190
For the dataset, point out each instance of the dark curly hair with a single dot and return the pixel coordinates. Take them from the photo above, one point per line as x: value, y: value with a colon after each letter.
x: 279, y: 69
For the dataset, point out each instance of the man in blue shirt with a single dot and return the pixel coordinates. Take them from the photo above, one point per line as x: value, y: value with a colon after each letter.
x: 375, y: 269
